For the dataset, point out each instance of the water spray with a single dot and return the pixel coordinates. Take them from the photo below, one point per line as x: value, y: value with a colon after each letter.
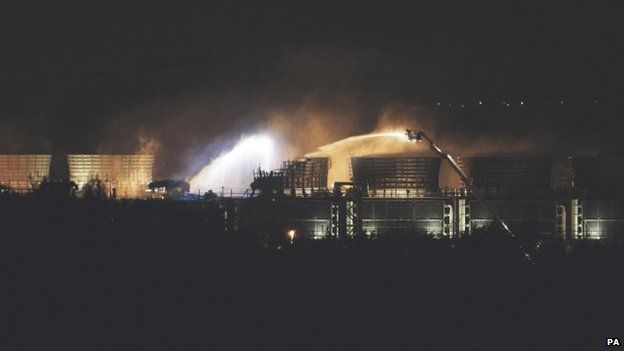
x: 233, y: 169
x: 341, y: 151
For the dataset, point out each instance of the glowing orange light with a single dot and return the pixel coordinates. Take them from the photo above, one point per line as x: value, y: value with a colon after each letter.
x: 291, y: 235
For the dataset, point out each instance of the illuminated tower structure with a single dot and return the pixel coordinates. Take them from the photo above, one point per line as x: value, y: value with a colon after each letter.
x: 124, y: 176
x: 23, y: 173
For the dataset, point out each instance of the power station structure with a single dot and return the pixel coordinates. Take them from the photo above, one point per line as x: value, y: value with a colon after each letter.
x: 296, y: 178
x: 124, y: 176
x: 401, y: 195
x: 397, y: 176
x: 306, y: 176
x: 386, y: 195
x: 597, y: 207
x: 23, y: 173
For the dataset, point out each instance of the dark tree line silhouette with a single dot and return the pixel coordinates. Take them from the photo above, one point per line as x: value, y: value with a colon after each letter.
x: 84, y: 274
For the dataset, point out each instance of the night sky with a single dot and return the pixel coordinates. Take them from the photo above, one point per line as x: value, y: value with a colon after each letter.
x: 82, y: 77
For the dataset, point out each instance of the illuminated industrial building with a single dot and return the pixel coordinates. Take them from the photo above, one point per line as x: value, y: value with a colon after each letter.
x: 300, y: 186
x: 23, y: 173
x: 299, y: 178
x: 124, y: 176
x: 597, y: 207
x: 510, y: 176
x: 402, y: 215
x: 310, y: 217
x: 385, y: 195
x: 397, y: 176
x: 395, y: 195
x: 598, y: 176
x: 401, y: 194
x: 519, y: 190
x: 305, y: 176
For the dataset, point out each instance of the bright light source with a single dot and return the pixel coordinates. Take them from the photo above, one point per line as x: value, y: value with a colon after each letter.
x: 291, y: 234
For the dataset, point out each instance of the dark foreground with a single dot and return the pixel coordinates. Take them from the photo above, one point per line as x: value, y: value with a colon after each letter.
x: 92, y: 277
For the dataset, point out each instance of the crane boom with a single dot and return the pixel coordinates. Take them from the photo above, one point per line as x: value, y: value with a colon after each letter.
x: 418, y: 136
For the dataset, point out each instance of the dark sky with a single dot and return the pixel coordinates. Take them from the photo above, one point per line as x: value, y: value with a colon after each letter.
x: 83, y: 77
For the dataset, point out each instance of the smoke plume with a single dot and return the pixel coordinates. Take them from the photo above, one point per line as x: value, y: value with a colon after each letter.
x: 189, y: 112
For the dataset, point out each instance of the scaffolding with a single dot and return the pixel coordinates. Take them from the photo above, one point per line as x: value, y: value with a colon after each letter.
x: 305, y: 177
x: 297, y: 178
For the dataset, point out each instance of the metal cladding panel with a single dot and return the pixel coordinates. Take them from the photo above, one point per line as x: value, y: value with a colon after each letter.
x: 401, y: 209
x: 369, y: 210
x: 601, y: 229
x: 508, y: 175
x: 311, y: 218
x: 130, y: 175
x: 309, y: 173
x: 547, y: 210
x: 601, y: 175
x: 618, y: 209
x: 591, y: 209
x: 21, y: 172
x: 303, y: 210
x: 387, y: 227
x: 397, y: 172
x: 518, y: 214
x: 402, y: 217
x: 516, y: 209
x: 429, y: 209
x: 288, y: 209
x: 603, y: 219
x: 603, y: 209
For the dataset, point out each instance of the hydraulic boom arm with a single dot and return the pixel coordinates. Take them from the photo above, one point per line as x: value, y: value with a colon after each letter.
x: 418, y: 136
